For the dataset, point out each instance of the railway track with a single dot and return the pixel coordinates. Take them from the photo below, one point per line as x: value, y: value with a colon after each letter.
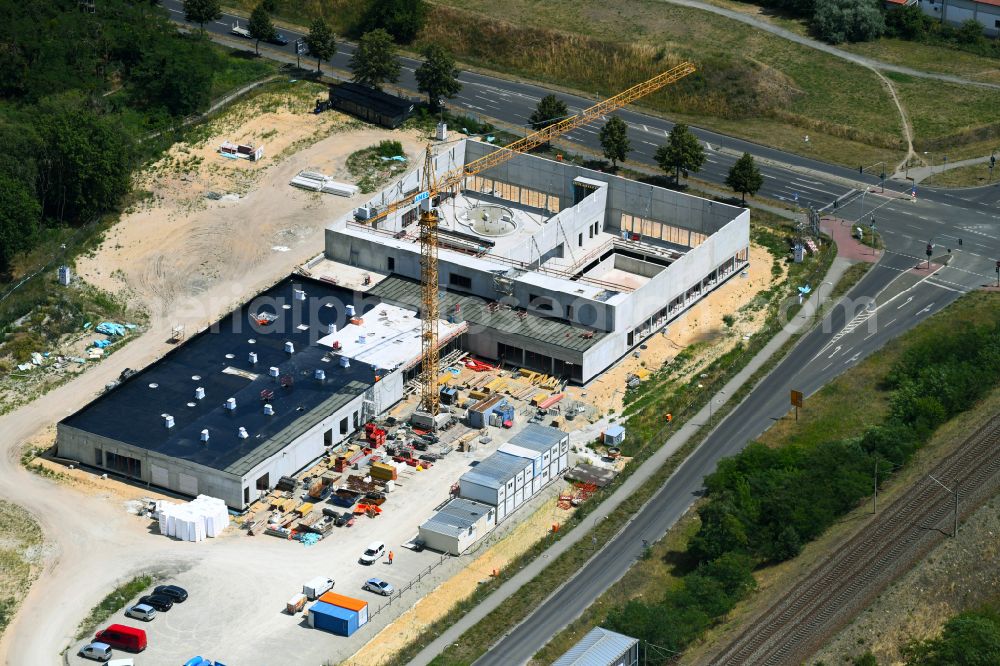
x: 795, y: 626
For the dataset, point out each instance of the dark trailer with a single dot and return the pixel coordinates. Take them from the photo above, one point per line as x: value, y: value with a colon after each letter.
x: 370, y: 105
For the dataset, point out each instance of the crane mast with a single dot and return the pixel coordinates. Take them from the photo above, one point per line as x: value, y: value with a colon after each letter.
x: 430, y: 401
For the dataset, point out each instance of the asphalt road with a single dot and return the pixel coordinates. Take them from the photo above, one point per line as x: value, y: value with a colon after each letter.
x: 513, y: 102
x: 889, y: 300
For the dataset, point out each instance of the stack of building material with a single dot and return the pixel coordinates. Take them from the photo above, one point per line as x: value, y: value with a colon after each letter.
x: 383, y: 471
x: 204, y: 517
x: 318, y: 182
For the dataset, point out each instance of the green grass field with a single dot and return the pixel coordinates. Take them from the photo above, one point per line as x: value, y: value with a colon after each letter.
x: 967, y: 176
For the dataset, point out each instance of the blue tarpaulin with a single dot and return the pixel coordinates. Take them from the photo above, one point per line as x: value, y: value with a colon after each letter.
x: 110, y: 328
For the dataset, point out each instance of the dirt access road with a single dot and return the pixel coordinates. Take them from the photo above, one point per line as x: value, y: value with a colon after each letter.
x: 178, y: 245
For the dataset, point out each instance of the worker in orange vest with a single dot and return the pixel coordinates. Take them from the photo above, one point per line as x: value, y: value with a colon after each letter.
x: 390, y: 557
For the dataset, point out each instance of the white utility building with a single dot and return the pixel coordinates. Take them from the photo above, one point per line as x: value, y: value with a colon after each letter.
x: 457, y: 525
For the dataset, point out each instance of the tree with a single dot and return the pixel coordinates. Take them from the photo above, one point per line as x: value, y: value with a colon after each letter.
x: 260, y: 26
x: 402, y: 19
x: 320, y: 42
x: 970, y: 32
x: 971, y: 638
x: 682, y: 153
x: 745, y: 177
x: 86, y: 160
x: 19, y: 214
x: 437, y: 76
x: 615, y: 141
x: 838, y: 21
x: 549, y: 111
x: 374, y: 61
x: 202, y: 11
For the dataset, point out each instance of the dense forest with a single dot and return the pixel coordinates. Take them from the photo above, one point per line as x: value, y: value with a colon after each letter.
x: 79, y: 90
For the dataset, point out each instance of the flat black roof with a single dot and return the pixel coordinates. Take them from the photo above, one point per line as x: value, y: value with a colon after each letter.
x: 378, y: 101
x: 218, y: 361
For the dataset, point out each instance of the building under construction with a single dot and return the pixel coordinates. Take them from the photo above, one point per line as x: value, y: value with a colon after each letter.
x: 551, y: 266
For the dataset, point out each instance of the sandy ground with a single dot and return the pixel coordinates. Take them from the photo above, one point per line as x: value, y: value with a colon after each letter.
x: 183, y: 256
x: 702, y: 323
x: 411, y: 624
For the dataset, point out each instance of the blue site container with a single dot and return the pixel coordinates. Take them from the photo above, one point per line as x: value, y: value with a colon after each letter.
x: 336, y: 620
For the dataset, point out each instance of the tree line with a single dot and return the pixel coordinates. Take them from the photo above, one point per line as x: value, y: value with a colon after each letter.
x: 682, y: 154
x: 77, y: 91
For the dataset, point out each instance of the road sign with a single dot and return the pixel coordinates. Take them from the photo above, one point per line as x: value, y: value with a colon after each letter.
x: 796, y: 402
x: 796, y: 398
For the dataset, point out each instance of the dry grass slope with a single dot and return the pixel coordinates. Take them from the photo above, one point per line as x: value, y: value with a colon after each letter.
x: 20, y: 539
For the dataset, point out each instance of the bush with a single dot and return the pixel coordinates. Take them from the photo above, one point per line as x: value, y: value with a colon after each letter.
x: 971, y: 638
x: 837, y: 21
x: 389, y: 148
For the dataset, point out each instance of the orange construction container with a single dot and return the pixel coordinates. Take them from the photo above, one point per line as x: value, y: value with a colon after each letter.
x: 350, y: 603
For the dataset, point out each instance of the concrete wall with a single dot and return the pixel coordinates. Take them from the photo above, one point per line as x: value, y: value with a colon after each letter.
x: 79, y: 445
x: 310, y: 446
x: 684, y: 273
x: 624, y: 195
x: 954, y: 12
x: 452, y: 159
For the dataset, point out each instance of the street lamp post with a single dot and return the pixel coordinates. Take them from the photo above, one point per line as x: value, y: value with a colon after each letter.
x: 955, y: 493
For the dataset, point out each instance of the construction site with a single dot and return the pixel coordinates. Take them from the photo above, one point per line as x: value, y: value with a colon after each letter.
x: 422, y: 381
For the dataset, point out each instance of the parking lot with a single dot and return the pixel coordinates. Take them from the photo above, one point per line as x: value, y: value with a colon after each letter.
x: 235, y: 612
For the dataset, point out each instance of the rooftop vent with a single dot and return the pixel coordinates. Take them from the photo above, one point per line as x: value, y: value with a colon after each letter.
x: 231, y: 404
x: 204, y: 435
x: 319, y: 374
x: 168, y: 420
x: 362, y: 339
x: 331, y: 328
x: 243, y: 433
x: 345, y: 362
x: 252, y: 358
x: 268, y: 410
x: 350, y: 310
x: 289, y: 348
x: 274, y: 371
x: 199, y: 393
x: 299, y: 294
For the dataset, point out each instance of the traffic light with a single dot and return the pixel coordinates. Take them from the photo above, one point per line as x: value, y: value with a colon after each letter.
x: 861, y: 169
x: 993, y: 161
x: 960, y: 242
x: 930, y: 249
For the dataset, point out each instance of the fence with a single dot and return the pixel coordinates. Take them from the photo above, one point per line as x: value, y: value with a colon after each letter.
x: 398, y: 594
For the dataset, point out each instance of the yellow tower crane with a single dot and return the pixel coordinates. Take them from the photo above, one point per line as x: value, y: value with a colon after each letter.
x: 431, y: 186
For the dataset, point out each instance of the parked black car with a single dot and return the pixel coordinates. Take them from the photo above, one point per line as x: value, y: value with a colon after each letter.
x: 278, y: 39
x: 175, y: 593
x: 160, y: 602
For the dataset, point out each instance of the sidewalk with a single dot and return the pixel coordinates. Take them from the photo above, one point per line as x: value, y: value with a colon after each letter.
x: 802, y: 321
x: 918, y: 174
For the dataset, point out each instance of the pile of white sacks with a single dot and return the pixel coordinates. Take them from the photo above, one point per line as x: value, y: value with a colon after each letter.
x: 203, y: 517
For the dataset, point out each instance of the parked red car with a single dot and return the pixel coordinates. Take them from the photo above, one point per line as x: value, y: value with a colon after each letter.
x: 123, y: 637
